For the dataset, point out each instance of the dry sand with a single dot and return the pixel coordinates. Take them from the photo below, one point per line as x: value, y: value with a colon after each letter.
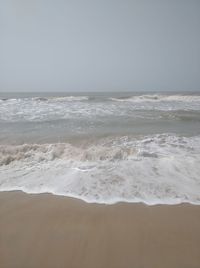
x: 50, y: 231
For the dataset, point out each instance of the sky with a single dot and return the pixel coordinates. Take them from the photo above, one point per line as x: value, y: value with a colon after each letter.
x: 99, y: 45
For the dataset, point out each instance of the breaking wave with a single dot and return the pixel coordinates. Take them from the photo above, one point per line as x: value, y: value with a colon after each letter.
x: 155, y: 169
x: 70, y: 107
x: 156, y: 98
x: 50, y: 99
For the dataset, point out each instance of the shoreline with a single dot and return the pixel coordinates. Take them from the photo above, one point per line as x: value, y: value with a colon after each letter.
x: 116, y: 202
x: 44, y: 230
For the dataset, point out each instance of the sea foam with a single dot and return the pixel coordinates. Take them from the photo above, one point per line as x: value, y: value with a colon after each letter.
x: 153, y: 169
x: 85, y: 107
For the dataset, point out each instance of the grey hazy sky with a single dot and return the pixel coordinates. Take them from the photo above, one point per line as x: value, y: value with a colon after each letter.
x: 99, y: 45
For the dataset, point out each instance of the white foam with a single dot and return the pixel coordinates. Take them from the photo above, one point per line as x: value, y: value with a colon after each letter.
x: 69, y: 98
x: 73, y: 107
x: 159, y: 169
x: 157, y: 98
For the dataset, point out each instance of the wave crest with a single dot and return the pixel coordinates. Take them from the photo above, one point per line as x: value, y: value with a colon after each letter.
x: 156, y: 98
x: 107, y: 150
x: 50, y: 152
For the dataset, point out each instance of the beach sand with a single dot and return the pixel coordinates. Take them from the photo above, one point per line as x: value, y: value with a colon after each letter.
x: 51, y: 231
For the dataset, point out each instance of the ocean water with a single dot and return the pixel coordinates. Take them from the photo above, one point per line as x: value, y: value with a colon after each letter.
x: 102, y: 147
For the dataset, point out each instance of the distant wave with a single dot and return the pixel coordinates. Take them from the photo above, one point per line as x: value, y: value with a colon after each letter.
x: 58, y: 99
x: 155, y: 169
x: 156, y: 98
x: 133, y: 98
x: 55, y: 108
x: 61, y: 99
x: 69, y: 98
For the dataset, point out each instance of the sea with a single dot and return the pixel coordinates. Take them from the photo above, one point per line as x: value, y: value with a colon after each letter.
x: 102, y: 147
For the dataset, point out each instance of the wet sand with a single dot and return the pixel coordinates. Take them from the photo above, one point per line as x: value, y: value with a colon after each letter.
x: 51, y: 231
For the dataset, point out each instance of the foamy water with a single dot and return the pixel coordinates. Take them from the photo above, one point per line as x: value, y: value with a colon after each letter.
x: 52, y: 108
x: 103, y: 149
